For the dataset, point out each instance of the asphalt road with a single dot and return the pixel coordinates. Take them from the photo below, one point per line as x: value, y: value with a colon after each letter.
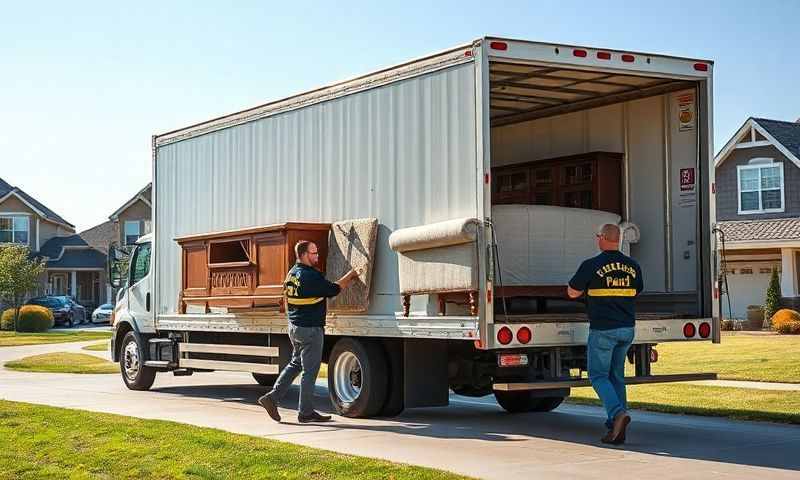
x: 471, y: 436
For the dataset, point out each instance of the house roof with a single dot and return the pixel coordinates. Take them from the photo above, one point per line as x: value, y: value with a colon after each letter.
x: 784, y: 136
x: 787, y: 133
x: 7, y: 190
x: 761, y: 230
x: 79, y: 258
x: 142, y: 195
x: 87, y: 249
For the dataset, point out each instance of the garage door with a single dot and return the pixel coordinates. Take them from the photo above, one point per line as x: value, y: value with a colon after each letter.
x: 747, y: 285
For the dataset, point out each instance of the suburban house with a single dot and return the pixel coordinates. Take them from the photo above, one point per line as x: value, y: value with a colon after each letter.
x: 758, y: 209
x: 75, y: 262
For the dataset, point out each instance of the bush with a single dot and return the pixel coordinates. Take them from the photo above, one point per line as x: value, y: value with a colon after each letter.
x: 786, y: 321
x: 772, y: 302
x: 7, y: 320
x: 32, y: 318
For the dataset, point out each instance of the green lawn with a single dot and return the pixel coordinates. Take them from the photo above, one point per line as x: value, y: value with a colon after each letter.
x: 62, y: 362
x: 13, y: 339
x: 98, y: 347
x: 773, y: 358
x: 46, y: 442
x: 738, y: 403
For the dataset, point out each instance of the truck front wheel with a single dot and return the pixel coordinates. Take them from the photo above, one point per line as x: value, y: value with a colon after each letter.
x: 525, y: 401
x: 357, y: 378
x: 131, y: 363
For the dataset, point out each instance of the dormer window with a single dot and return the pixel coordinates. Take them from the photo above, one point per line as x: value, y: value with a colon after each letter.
x: 132, y: 232
x: 14, y: 229
x: 760, y: 187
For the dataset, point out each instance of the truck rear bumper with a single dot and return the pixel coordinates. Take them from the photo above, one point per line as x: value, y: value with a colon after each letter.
x: 584, y: 382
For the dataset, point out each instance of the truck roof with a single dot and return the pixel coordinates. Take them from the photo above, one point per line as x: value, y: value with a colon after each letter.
x: 459, y: 54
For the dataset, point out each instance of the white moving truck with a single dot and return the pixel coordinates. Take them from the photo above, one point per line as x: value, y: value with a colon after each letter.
x: 417, y: 144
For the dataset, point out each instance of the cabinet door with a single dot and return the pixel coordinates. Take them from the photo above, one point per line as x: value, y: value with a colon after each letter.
x: 195, y: 270
x: 511, y: 186
x: 543, y: 186
x: 271, y: 261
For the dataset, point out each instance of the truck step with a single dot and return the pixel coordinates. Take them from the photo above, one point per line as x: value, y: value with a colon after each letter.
x: 228, y: 349
x: 231, y: 366
x: 157, y: 363
x: 160, y: 340
x: 183, y: 372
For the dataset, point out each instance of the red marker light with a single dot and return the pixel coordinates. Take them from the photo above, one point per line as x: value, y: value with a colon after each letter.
x: 524, y: 335
x: 604, y: 55
x: 705, y: 330
x: 628, y: 58
x: 689, y: 330
x: 498, y: 46
x: 505, y: 336
x: 701, y: 67
x: 579, y: 53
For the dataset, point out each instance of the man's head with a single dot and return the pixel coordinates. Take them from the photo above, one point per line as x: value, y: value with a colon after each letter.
x: 608, y: 238
x: 306, y: 253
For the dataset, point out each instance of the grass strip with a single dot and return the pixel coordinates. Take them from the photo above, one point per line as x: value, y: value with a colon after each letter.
x: 16, y: 339
x: 63, y: 362
x: 98, y: 347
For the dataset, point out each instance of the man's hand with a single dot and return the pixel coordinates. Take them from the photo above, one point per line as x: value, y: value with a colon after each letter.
x: 349, y: 277
x: 572, y: 293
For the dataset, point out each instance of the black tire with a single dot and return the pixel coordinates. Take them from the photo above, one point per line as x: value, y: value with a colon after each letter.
x: 395, y: 397
x: 525, y: 401
x: 366, y: 386
x: 135, y: 375
x: 265, y: 379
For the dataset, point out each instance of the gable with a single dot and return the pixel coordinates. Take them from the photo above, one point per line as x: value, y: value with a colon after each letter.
x: 12, y: 204
x: 758, y: 133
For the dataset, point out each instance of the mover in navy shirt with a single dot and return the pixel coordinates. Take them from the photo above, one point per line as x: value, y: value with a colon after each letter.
x: 611, y: 280
x: 306, y: 293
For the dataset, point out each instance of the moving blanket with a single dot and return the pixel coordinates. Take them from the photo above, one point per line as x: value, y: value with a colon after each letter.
x: 544, y: 245
x: 351, y: 244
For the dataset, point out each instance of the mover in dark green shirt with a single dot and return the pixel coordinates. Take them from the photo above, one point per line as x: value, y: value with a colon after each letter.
x: 306, y: 292
x: 611, y: 281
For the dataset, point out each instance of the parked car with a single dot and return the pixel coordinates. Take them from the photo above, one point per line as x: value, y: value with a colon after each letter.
x: 102, y: 314
x: 66, y: 311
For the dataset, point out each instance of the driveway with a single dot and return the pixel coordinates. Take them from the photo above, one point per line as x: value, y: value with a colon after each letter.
x: 471, y: 436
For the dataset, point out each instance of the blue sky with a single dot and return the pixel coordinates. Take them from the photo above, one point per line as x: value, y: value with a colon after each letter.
x: 84, y: 85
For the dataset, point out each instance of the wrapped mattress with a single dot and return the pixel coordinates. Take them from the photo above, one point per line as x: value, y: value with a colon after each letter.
x: 544, y: 245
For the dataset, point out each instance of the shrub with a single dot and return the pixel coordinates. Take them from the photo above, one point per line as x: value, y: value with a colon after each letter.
x: 728, y: 325
x: 786, y: 321
x: 32, y: 318
x: 772, y: 302
x: 7, y: 319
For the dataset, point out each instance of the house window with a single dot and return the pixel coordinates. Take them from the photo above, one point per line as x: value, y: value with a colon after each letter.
x: 132, y: 232
x: 14, y: 229
x: 760, y: 187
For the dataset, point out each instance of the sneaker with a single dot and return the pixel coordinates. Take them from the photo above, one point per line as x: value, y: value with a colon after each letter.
x: 268, y: 403
x: 609, y: 438
x: 313, y: 417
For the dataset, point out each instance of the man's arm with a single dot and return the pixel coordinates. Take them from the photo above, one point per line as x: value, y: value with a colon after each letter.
x: 578, y: 282
x: 572, y: 293
x: 348, y: 278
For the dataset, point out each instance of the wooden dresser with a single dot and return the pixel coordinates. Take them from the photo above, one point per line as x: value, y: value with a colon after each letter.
x: 591, y: 180
x: 243, y: 269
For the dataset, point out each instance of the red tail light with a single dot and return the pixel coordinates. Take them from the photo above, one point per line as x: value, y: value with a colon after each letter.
x: 701, y: 67
x: 704, y: 329
x: 498, y: 46
x: 604, y: 55
x: 628, y: 58
x: 579, y: 53
x: 524, y: 335
x: 505, y: 336
x: 689, y: 330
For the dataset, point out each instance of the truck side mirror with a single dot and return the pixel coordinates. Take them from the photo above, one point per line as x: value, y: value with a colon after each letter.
x: 117, y: 265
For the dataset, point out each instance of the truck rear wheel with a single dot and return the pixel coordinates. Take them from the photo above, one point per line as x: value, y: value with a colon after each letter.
x: 525, y: 401
x: 131, y: 364
x: 357, y: 378
x: 266, y: 379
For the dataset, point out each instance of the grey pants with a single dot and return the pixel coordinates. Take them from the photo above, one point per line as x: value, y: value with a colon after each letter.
x: 306, y: 357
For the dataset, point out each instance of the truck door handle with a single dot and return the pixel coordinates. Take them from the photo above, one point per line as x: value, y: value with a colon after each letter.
x: 147, y: 301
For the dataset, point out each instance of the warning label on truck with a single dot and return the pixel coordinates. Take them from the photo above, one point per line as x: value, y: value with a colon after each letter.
x: 686, y: 114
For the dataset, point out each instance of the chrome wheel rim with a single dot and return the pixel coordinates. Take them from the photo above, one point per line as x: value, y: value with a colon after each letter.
x: 130, y: 361
x: 347, y: 377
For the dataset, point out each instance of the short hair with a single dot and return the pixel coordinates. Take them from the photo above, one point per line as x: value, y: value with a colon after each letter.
x: 610, y: 232
x: 301, y: 247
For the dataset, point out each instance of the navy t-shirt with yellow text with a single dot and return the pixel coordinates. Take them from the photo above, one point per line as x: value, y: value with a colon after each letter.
x: 611, y: 281
x: 306, y: 290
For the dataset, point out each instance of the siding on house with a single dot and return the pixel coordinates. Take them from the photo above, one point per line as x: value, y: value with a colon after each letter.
x: 140, y: 212
x: 728, y: 191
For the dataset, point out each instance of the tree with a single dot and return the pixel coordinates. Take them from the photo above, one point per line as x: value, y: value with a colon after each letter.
x: 19, y: 274
x: 772, y: 303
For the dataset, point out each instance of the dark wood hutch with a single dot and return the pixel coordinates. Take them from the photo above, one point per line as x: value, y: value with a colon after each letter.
x: 243, y: 269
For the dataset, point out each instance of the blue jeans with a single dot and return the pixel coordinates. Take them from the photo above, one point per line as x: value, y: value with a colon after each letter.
x: 606, y: 358
x: 306, y: 358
